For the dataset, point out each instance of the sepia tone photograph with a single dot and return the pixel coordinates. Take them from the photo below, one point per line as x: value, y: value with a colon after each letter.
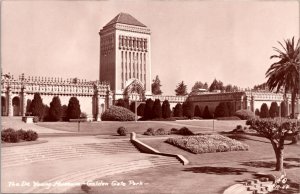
x: 150, y: 96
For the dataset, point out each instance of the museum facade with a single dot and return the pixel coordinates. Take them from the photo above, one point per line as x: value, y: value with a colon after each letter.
x: 125, y: 72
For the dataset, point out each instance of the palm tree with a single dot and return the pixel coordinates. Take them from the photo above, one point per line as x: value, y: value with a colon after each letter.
x: 285, y: 72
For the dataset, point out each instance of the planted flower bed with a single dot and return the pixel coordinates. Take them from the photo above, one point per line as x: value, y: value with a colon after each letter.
x: 207, y: 144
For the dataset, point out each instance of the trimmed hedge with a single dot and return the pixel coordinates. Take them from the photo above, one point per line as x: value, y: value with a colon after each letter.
x: 207, y: 144
x: 229, y: 118
x: 117, y: 113
x: 244, y: 114
x: 12, y: 136
x: 184, y: 131
x: 122, y: 131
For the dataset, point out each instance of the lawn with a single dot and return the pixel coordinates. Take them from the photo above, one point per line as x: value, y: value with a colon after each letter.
x: 110, y: 127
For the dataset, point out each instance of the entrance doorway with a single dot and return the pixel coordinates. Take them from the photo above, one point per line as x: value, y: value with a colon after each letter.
x: 16, y: 106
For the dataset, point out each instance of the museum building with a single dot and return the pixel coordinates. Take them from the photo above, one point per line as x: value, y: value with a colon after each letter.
x: 125, y: 72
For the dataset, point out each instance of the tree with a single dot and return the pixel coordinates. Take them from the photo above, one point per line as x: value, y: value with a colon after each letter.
x: 156, y: 86
x: 276, y: 130
x: 264, y: 111
x: 197, y: 111
x: 198, y: 85
x: 187, y: 108
x: 140, y: 109
x: 177, y: 110
x: 257, y: 113
x: 284, y: 74
x: 132, y: 107
x: 181, y: 89
x: 55, y: 110
x: 64, y: 110
x: 274, y: 110
x: 206, y: 114
x: 231, y: 109
x: 228, y: 88
x: 123, y: 103
x: 221, y: 110
x: 156, y: 109
x: 37, y: 106
x: 148, y: 113
x: 73, y: 111
x: 46, y: 112
x: 216, y: 85
x: 166, y: 110
x: 283, y: 109
x: 205, y: 86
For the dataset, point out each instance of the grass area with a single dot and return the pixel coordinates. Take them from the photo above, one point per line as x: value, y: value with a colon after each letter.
x: 259, y: 148
x: 207, y: 144
x: 110, y: 127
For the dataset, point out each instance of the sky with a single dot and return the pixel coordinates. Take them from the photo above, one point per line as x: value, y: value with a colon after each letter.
x: 230, y: 40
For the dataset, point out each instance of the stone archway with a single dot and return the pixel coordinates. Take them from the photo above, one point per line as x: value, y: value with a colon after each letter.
x: 3, y: 106
x: 134, y: 90
x: 16, y: 106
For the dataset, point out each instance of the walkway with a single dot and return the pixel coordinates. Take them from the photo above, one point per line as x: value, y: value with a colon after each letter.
x: 17, y: 123
x: 64, y: 162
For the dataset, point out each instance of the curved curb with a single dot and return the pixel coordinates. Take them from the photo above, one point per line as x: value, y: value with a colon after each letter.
x: 147, y: 149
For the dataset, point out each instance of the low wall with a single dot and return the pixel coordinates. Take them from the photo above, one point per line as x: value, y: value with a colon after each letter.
x: 147, y: 149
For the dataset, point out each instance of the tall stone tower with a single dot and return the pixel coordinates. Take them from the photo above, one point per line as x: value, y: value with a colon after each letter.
x: 125, y: 54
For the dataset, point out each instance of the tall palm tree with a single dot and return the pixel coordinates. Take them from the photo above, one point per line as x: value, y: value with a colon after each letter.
x: 285, y: 72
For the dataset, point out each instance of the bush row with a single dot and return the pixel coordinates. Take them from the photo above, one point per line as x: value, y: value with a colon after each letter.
x: 161, y: 131
x: 12, y: 136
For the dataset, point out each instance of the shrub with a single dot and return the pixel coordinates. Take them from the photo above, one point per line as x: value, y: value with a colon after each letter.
x: 140, y: 110
x: 21, y: 134
x: 197, y: 111
x: 177, y: 110
x: 161, y: 131
x: 55, y: 110
x: 150, y: 131
x: 31, y: 135
x: 274, y: 110
x: 35, y: 119
x: 257, y: 113
x: 264, y: 111
x: 156, y: 109
x: 73, y: 111
x: 244, y: 114
x: 187, y: 108
x: 37, y: 106
x: 117, y: 113
x: 9, y: 135
x: 206, y: 114
x: 221, y: 110
x: 148, y: 113
x: 184, y: 131
x: 207, y: 144
x: 229, y: 118
x: 122, y: 131
x: 173, y: 131
x: 231, y: 109
x: 165, y: 108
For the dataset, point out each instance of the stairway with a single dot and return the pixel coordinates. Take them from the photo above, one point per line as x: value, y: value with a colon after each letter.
x: 12, y: 156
